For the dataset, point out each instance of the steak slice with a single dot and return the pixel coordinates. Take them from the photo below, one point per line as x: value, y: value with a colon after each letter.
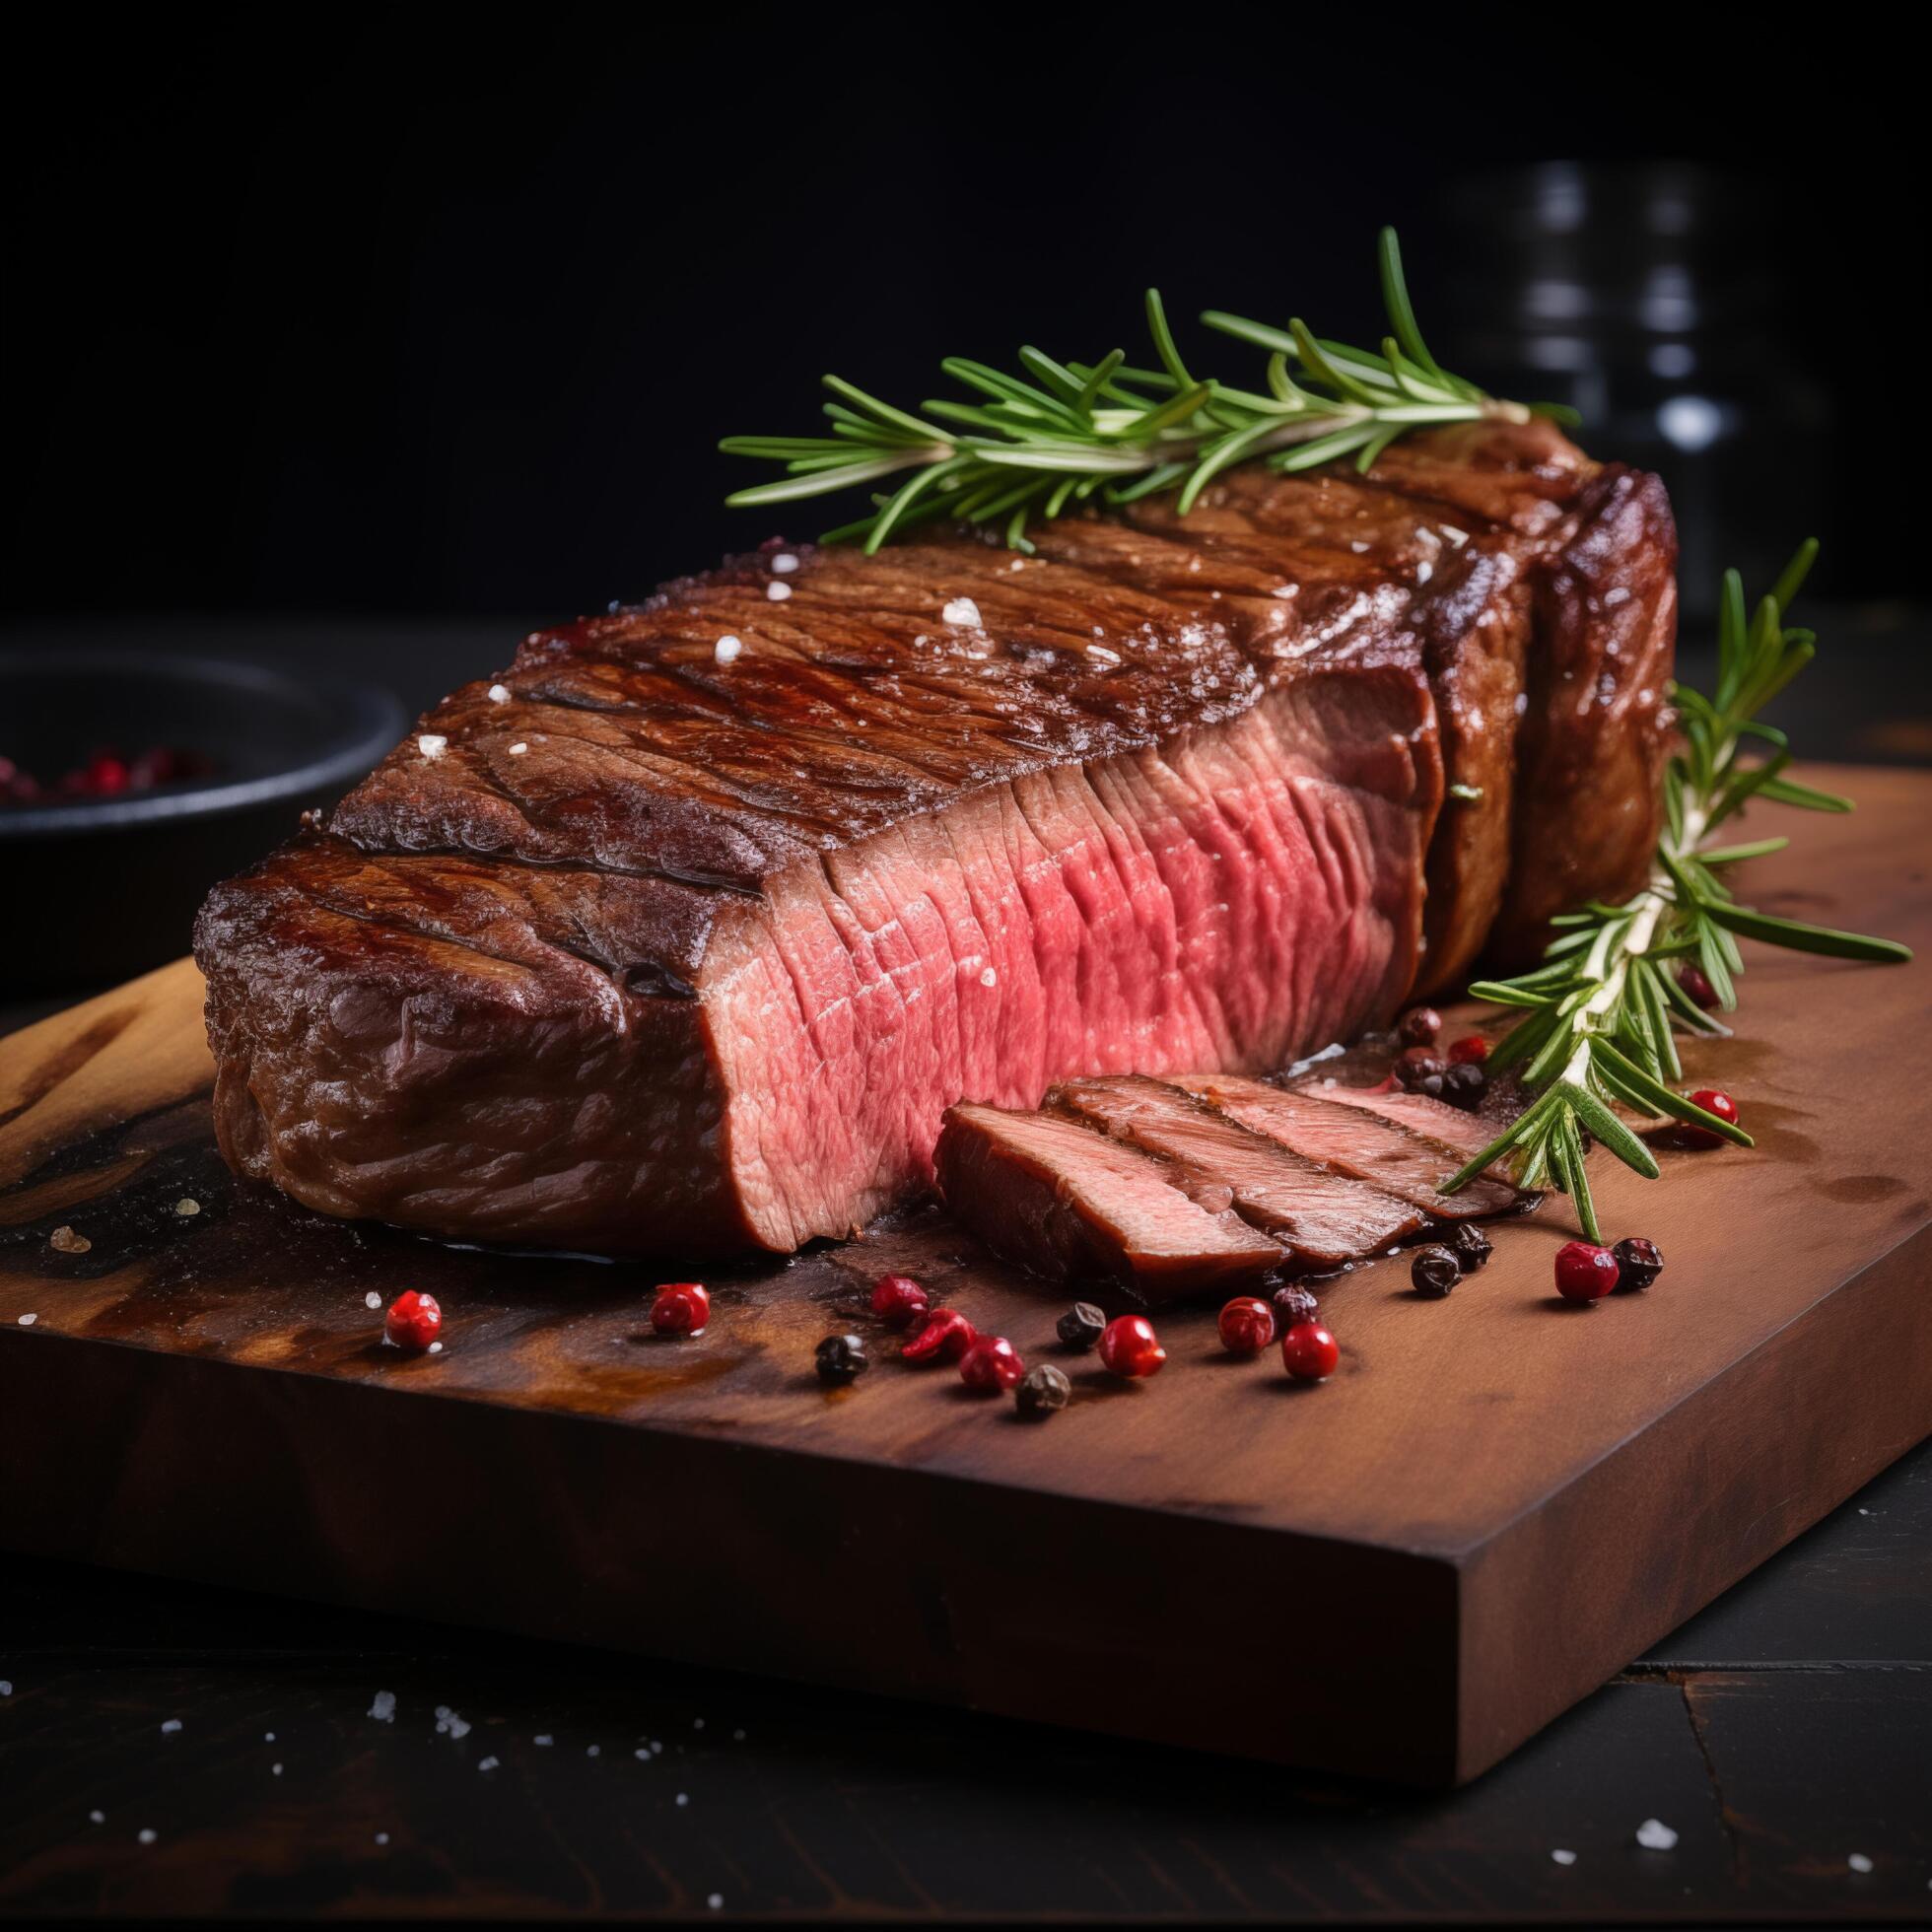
x: 1069, y: 1203
x: 682, y: 933
x: 1355, y: 1140
x: 1461, y: 1135
x: 1321, y: 1219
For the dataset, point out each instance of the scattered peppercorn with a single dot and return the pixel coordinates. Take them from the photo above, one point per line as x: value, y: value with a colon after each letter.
x: 1713, y: 1101
x: 1471, y: 1245
x: 1471, y: 1049
x: 1584, y: 1272
x: 1418, y: 1026
x: 1697, y: 983
x: 1435, y: 1270
x: 1247, y: 1326
x: 1638, y: 1264
x: 680, y: 1308
x: 898, y: 1300
x: 1131, y: 1348
x: 413, y: 1321
x: 1293, y: 1305
x: 1464, y: 1085
x: 990, y: 1363
x: 1042, y: 1391
x: 1081, y: 1326
x: 841, y: 1360
x: 1420, y: 1071
x: 946, y: 1336
x: 1309, y: 1353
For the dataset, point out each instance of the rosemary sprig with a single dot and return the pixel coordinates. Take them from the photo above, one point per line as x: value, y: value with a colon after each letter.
x: 1601, y: 1011
x: 1063, y: 435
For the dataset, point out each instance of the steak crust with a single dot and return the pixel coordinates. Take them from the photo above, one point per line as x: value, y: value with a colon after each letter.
x: 649, y: 943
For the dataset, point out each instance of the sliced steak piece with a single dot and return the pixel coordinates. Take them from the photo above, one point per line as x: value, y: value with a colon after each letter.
x: 1461, y: 1134
x: 1072, y: 1204
x: 1322, y: 1218
x: 1356, y: 1142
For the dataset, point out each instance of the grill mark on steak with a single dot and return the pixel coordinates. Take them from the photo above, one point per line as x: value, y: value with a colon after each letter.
x: 1212, y: 850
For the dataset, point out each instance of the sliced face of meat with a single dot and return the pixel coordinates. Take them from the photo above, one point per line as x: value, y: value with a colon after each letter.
x: 1072, y: 1204
x: 1352, y: 1140
x: 1323, y: 1217
x: 1463, y: 1135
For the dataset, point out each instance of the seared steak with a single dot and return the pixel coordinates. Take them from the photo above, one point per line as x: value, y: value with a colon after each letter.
x: 684, y: 931
x: 1351, y: 1140
x: 1320, y: 1220
x: 1076, y: 1205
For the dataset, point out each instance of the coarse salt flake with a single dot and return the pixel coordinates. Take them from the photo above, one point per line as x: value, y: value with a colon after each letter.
x: 431, y: 745
x: 545, y: 1740
x: 785, y: 562
x: 384, y: 1706
x: 499, y: 694
x: 776, y: 591
x: 373, y: 1300
x: 684, y: 1797
x: 1653, y: 1835
x: 727, y: 648
x: 962, y: 611
x: 989, y: 977
x: 169, y: 1729
x: 518, y: 749
x: 381, y: 1838
x: 146, y: 1834
x: 435, y: 1349
x: 715, y: 1901
x: 1859, y: 1862
x: 97, y: 1818
x: 275, y: 1771
x: 487, y: 1765
x: 28, y: 1321
x: 1563, y: 1857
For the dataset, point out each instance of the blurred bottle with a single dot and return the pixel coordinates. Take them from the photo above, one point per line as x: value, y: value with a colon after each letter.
x: 1646, y: 296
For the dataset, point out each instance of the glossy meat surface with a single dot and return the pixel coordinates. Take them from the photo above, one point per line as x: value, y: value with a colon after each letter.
x: 683, y: 932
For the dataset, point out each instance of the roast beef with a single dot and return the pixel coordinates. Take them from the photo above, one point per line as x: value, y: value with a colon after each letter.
x: 683, y: 932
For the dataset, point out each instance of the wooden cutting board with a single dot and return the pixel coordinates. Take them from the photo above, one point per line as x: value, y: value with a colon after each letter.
x: 1405, y: 1572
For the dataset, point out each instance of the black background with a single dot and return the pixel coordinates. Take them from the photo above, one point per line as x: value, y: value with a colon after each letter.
x: 412, y: 312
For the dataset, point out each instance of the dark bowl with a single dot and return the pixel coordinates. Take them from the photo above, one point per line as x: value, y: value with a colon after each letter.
x: 99, y: 888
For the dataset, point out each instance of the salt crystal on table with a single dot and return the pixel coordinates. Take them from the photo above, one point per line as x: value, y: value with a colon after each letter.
x: 275, y: 1771
x: 518, y: 750
x: 1859, y: 1862
x: 6, y: 1687
x: 146, y: 1834
x: 384, y: 1708
x: 268, y: 1737
x: 435, y: 1349
x: 684, y: 1797
x: 431, y: 745
x: 545, y: 1740
x: 1655, y: 1835
x: 786, y: 562
x: 371, y: 1299
x: 715, y: 1902
x: 499, y: 694
x: 1564, y: 1857
x: 962, y: 611
x: 487, y: 1765
x: 776, y: 591
x: 593, y: 1751
x: 97, y: 1818
x: 642, y: 1752
x: 28, y: 1321
x: 173, y: 1725
x: 727, y: 649
x: 381, y: 1838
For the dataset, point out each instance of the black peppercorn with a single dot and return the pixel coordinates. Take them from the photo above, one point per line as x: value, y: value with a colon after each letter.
x: 1293, y: 1305
x: 1081, y: 1326
x: 1042, y: 1389
x: 1420, y: 1071
x: 1471, y: 1246
x: 841, y: 1360
x: 1638, y: 1264
x: 1465, y: 1085
x: 1418, y: 1026
x: 1435, y: 1270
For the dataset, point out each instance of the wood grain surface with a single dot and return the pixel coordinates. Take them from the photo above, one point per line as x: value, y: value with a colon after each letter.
x: 1496, y: 1503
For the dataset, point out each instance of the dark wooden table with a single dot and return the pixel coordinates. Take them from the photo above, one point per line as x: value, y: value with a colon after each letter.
x: 1783, y: 1734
